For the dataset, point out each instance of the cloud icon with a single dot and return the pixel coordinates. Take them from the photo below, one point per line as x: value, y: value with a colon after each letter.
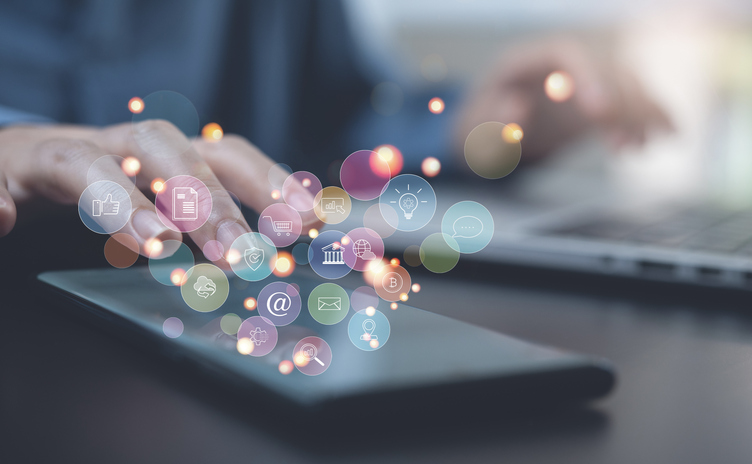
x: 205, y: 287
x: 368, y: 255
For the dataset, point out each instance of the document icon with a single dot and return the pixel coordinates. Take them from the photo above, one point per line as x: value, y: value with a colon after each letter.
x: 184, y: 204
x: 330, y: 303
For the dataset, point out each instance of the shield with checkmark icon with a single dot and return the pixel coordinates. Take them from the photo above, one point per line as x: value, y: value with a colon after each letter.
x: 254, y: 257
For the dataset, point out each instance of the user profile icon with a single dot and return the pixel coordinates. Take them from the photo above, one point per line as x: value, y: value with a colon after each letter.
x: 312, y: 356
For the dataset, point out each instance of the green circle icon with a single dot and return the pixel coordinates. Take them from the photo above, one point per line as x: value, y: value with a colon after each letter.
x: 328, y: 303
x: 206, y: 288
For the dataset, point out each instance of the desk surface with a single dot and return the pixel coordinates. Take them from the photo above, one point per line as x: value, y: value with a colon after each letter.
x: 684, y: 393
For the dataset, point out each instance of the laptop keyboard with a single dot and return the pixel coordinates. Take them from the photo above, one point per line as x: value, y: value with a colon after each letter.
x: 708, y: 230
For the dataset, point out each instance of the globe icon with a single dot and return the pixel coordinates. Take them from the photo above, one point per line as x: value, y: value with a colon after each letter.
x: 361, y: 247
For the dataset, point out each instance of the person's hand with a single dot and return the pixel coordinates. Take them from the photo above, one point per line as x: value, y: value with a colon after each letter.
x: 604, y: 96
x: 52, y: 162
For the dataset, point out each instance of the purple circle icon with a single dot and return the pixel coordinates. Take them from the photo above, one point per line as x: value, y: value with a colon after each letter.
x: 279, y: 302
x: 261, y: 332
x: 184, y: 203
x: 364, y: 175
x: 312, y: 356
x: 281, y: 223
x: 361, y: 247
x: 300, y: 189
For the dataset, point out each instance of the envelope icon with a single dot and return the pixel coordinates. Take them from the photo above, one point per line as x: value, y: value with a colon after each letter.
x: 330, y: 303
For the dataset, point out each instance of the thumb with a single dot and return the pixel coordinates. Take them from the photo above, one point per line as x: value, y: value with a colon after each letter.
x: 7, y: 208
x: 108, y: 199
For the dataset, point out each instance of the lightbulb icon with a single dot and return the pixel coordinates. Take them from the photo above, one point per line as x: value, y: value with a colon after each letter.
x: 408, y: 203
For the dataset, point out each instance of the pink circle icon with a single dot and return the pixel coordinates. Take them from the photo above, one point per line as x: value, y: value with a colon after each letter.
x: 363, y: 247
x: 281, y: 223
x: 312, y: 356
x: 261, y: 332
x: 364, y: 175
x: 184, y: 203
x: 300, y: 189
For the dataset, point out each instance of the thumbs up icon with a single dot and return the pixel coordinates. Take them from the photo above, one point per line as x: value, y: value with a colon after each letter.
x: 108, y: 207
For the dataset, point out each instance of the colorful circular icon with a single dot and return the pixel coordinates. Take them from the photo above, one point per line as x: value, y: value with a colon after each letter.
x: 439, y: 253
x: 328, y: 303
x: 261, y: 332
x: 281, y: 223
x: 362, y: 246
x: 205, y: 288
x: 312, y: 356
x: 489, y: 153
x: 391, y: 282
x: 332, y: 205
x: 414, y: 200
x: 470, y: 224
x: 104, y: 207
x: 300, y: 189
x: 184, y: 203
x: 363, y: 297
x: 280, y: 303
x: 369, y: 332
x: 326, y: 255
x: 252, y: 256
x: 166, y: 105
x: 171, y: 265
x: 364, y: 175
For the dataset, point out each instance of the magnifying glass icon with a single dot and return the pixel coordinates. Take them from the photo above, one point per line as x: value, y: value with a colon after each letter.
x: 310, y: 352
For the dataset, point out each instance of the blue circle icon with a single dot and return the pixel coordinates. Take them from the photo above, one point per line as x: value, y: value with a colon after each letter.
x: 470, y: 224
x: 252, y: 256
x: 326, y: 255
x: 412, y: 198
x: 368, y: 332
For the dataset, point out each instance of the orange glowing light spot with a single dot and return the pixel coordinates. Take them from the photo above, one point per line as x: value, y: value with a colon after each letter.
x: 374, y: 344
x: 436, y: 105
x: 415, y: 288
x: 157, y: 185
x: 283, y: 265
x: 250, y: 303
x: 313, y: 233
x: 245, y: 345
x: 394, y: 262
x: 345, y: 241
x: 300, y: 359
x: 130, y: 166
x: 232, y: 256
x: 372, y: 268
x: 285, y: 367
x: 178, y: 277
x: 366, y: 336
x: 276, y: 195
x: 403, y: 297
x: 393, y: 306
x: 212, y: 132
x: 512, y: 133
x: 559, y: 86
x: 430, y: 167
x: 153, y: 247
x: 136, y: 105
x: 391, y: 158
x: 370, y: 310
x: 306, y: 182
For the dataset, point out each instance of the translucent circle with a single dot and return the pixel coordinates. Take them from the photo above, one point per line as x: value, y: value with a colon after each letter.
x: 364, y: 329
x: 387, y: 98
x: 375, y: 219
x: 439, y: 253
x: 285, y: 367
x: 222, y: 195
x: 104, y: 207
x: 364, y: 175
x: 326, y: 255
x: 172, y: 327
x: 393, y: 157
x: 184, y: 204
x: 361, y: 247
x: 391, y: 281
x: 470, y: 224
x: 332, y: 205
x: 280, y: 303
x: 412, y: 256
x: 230, y: 323
x: 300, y: 189
x: 363, y: 297
x: 172, y: 107
x: 300, y: 253
x: 328, y: 303
x: 101, y: 169
x: 252, y: 256
x: 175, y: 256
x: 312, y: 356
x: 414, y: 200
x: 261, y: 332
x: 488, y: 154
x: 206, y: 288
x: 281, y: 223
x: 213, y: 250
x: 278, y: 174
x: 121, y: 250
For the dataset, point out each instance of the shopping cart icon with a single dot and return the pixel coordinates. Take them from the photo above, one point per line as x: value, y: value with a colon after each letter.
x: 280, y: 227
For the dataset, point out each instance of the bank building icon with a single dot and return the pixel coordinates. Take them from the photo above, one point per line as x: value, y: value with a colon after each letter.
x: 333, y: 254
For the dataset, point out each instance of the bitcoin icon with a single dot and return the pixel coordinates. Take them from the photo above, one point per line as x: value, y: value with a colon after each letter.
x: 392, y: 282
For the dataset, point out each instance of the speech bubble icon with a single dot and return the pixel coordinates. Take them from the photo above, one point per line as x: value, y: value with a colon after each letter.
x: 467, y: 227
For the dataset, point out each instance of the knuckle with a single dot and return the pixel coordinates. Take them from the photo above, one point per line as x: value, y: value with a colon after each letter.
x: 151, y: 126
x: 57, y: 152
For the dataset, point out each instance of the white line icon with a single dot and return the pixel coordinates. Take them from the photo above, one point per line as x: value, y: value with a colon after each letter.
x: 184, y: 204
x: 108, y: 207
x: 333, y: 254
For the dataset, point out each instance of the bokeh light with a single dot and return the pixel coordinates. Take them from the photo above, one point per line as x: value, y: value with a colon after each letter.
x: 178, y: 277
x: 232, y: 256
x: 436, y: 105
x: 250, y: 303
x: 130, y: 166
x: 245, y: 345
x: 512, y: 133
x: 213, y: 250
x: 153, y: 247
x: 212, y: 132
x: 173, y: 327
x: 157, y: 185
x: 286, y: 367
x: 313, y: 233
x: 306, y: 182
x: 276, y: 195
x: 370, y: 310
x: 404, y: 296
x: 283, y: 265
x: 394, y: 262
x: 135, y: 105
x: 393, y: 157
x: 300, y: 359
x: 430, y: 167
x: 489, y: 154
x: 394, y: 306
x: 230, y: 323
x: 374, y: 344
x: 415, y: 288
x: 559, y: 86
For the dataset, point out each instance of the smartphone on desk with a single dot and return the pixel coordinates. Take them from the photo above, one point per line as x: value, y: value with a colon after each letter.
x: 425, y: 360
